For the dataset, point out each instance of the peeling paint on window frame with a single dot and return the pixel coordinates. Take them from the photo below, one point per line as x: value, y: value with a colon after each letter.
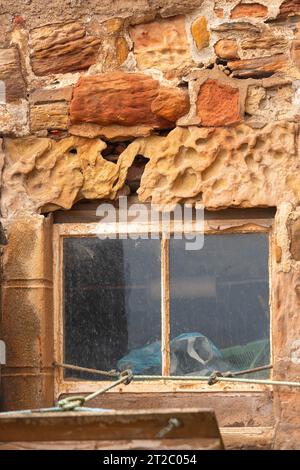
x: 213, y: 225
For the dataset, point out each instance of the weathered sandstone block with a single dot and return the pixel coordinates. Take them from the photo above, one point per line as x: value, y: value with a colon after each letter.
x: 236, y: 27
x: 226, y: 49
x: 237, y: 166
x: 5, y: 21
x: 121, y: 50
x: 11, y: 74
x: 245, y: 10
x: 14, y: 118
x: 255, y: 41
x: 295, y: 52
x: 200, y: 32
x: 271, y: 101
x: 264, y: 44
x: 289, y: 8
x: 287, y: 437
x: 62, y: 48
x: 295, y: 49
x: 113, y: 25
x: 48, y: 95
x: 49, y: 116
x: 219, y: 12
x: 27, y: 292
x: 49, y: 109
x: 1, y: 168
x: 38, y: 171
x: 260, y: 67
x: 126, y: 99
x: 43, y: 174
x: 113, y: 132
x: 294, y: 229
x: 162, y: 45
x: 218, y: 104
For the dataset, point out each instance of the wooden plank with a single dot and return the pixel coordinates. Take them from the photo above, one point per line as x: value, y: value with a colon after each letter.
x: 165, y: 307
x: 116, y: 425
x: 137, y: 444
x: 234, y: 438
x: 85, y: 212
x: 230, y: 408
x: 248, y: 438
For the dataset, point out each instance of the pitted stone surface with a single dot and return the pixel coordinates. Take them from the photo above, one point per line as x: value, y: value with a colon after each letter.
x: 237, y: 166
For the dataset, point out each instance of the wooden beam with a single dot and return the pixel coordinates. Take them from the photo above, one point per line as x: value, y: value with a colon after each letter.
x: 109, y: 426
x: 165, y: 307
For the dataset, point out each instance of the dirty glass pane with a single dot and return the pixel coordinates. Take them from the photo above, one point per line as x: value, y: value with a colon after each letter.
x: 112, y: 305
x: 219, y: 304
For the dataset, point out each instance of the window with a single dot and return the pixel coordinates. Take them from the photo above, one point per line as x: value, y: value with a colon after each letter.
x: 159, y: 309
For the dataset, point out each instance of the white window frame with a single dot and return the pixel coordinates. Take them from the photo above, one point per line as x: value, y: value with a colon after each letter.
x: 214, y: 225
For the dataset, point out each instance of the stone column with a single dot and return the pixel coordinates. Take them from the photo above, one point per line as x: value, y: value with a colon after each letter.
x: 27, y: 313
x: 286, y: 332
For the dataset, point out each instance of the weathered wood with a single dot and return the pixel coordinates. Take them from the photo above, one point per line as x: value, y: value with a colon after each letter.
x: 214, y: 225
x: 196, y: 424
x: 231, y: 409
x: 136, y: 444
x: 165, y: 306
x: 248, y: 437
x: 234, y: 438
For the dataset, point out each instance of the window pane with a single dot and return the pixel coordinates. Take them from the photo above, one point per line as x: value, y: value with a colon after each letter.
x: 112, y: 305
x: 219, y: 304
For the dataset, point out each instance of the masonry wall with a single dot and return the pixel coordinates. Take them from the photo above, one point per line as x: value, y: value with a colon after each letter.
x: 207, y: 92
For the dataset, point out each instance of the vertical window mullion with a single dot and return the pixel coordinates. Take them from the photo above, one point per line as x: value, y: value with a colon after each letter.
x: 165, y: 306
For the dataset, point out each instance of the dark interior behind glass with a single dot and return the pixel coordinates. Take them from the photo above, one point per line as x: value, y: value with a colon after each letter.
x: 219, y: 305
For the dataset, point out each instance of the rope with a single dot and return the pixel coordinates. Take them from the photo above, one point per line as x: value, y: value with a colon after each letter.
x: 105, y: 373
x: 219, y: 378
x: 211, y: 380
x: 247, y: 371
x: 71, y: 403
x: 76, y: 402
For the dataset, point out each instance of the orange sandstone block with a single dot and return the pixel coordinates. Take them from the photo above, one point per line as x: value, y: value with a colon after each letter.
x: 244, y: 10
x: 218, y: 104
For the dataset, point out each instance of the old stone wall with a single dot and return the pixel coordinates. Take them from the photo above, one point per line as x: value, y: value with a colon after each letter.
x: 206, y: 91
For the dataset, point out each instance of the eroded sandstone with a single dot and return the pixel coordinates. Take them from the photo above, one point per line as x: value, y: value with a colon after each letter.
x: 237, y: 166
x: 218, y: 104
x: 226, y: 49
x: 11, y: 74
x: 62, y: 48
x: 162, y: 45
x: 127, y: 99
x: 41, y: 173
x: 246, y: 10
x: 289, y: 8
x: 258, y: 68
x: 49, y: 116
x: 271, y: 100
x: 200, y: 32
